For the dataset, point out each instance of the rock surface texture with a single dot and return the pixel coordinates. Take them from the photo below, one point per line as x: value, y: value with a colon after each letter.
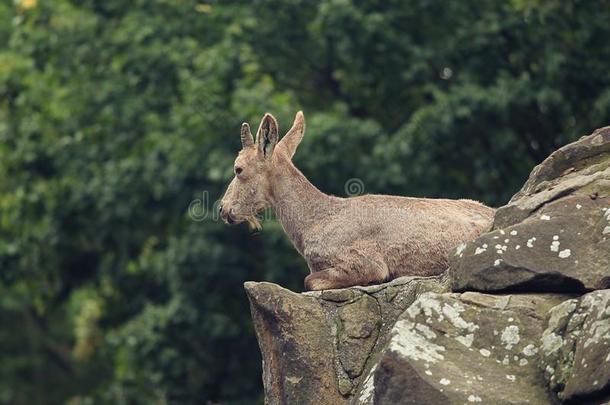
x: 522, y: 317
x: 554, y: 234
x: 316, y: 346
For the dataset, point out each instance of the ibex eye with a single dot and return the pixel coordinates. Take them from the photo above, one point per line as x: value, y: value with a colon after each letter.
x: 238, y: 170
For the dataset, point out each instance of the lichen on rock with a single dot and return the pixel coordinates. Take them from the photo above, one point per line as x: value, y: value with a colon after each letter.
x: 427, y: 341
x: 317, y: 346
x: 576, y: 347
x: 551, y: 236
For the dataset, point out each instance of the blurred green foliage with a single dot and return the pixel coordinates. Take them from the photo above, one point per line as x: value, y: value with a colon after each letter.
x: 116, y: 115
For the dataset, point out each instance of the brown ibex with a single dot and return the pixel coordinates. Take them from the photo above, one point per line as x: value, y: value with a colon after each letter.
x: 345, y: 241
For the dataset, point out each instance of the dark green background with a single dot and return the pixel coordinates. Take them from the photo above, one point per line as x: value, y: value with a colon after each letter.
x: 116, y: 115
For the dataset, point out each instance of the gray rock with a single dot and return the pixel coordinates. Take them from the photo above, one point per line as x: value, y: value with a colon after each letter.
x: 554, y: 234
x: 575, y: 348
x: 297, y: 353
x: 571, y: 170
x: 357, y: 332
x: 463, y: 348
x: 411, y: 342
x: 315, y: 346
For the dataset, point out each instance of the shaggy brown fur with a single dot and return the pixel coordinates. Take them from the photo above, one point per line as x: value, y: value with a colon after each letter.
x: 345, y: 241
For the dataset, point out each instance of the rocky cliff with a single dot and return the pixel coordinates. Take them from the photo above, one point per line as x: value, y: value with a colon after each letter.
x: 521, y: 317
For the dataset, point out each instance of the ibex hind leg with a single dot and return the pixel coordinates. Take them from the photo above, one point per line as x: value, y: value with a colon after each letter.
x: 342, y: 277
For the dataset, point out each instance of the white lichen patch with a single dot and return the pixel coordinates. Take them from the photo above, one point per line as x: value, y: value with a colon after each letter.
x: 368, y: 387
x: 551, y: 342
x: 545, y: 217
x: 479, y: 250
x: 530, y: 242
x: 445, y: 381
x: 578, y: 206
x: 425, y: 330
x: 426, y: 303
x: 466, y: 340
x: 530, y: 350
x: 474, y: 398
x: 452, y: 313
x: 510, y: 377
x: 502, y: 232
x: 485, y: 352
x: 513, y: 233
x: 497, y: 262
x: 606, y: 230
x: 555, y: 237
x: 598, y: 327
x: 500, y: 248
x: 565, y: 253
x: 523, y: 362
x: 555, y: 246
x: 428, y: 372
x: 407, y: 342
x: 419, y: 337
x: 510, y: 336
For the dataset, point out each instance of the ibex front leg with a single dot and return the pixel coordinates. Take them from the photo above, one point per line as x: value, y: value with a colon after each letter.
x: 352, y: 268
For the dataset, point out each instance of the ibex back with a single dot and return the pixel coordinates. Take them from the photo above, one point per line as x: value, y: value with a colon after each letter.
x: 345, y: 241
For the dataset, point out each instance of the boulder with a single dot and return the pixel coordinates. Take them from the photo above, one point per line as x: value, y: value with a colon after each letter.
x: 554, y: 234
x: 316, y: 345
x: 575, y: 348
x: 412, y: 342
x: 463, y: 348
x: 292, y: 332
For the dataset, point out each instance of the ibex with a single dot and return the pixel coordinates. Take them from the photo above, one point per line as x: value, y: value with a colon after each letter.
x: 346, y: 241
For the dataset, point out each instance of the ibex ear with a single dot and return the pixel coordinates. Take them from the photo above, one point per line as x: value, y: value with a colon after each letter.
x: 293, y: 138
x: 246, y: 136
x: 266, y: 137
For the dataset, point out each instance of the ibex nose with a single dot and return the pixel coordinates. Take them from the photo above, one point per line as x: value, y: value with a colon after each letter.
x: 226, y: 215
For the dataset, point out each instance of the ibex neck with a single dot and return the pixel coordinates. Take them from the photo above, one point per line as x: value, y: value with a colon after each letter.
x: 298, y: 204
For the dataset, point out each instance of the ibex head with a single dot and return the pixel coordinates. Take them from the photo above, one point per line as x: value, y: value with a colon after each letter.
x: 249, y: 192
